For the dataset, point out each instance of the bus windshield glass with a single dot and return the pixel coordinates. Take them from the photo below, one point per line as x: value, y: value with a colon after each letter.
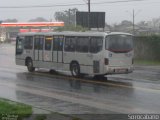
x: 119, y: 43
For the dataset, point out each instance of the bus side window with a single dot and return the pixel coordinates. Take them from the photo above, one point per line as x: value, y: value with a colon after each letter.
x: 38, y: 42
x: 19, y: 45
x: 82, y: 44
x: 58, y: 43
x: 70, y: 43
x: 48, y: 42
x: 28, y: 42
x: 95, y: 44
x: 41, y: 41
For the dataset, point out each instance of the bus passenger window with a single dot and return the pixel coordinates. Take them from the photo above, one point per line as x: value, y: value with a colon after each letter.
x: 48, y: 45
x: 58, y: 43
x: 19, y: 45
x: 38, y: 43
x: 70, y: 43
x: 95, y: 44
x: 41, y: 40
x: 82, y: 44
x: 28, y: 42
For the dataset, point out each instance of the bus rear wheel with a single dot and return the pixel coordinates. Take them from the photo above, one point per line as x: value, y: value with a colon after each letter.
x: 75, y: 69
x: 30, y: 66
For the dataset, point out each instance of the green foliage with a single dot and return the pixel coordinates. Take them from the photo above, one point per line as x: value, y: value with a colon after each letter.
x: 146, y: 62
x: 147, y: 47
x: 71, y: 28
x: 14, y: 109
x: 67, y: 16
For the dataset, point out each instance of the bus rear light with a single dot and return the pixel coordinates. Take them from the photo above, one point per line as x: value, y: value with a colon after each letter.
x: 106, y: 61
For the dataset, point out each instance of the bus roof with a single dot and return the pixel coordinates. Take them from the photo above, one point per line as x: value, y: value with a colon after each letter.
x: 70, y: 33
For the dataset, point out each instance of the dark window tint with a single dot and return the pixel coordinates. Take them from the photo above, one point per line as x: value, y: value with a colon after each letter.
x: 70, y: 44
x: 58, y: 43
x: 38, y: 42
x: 48, y: 42
x: 82, y: 44
x: 119, y: 43
x: 19, y: 45
x: 28, y: 42
x: 96, y: 44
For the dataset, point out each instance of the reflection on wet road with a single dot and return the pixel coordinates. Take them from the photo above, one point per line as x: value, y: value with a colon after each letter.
x: 138, y: 92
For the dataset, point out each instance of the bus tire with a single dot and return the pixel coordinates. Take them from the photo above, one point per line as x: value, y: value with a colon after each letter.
x: 30, y: 65
x: 75, y: 69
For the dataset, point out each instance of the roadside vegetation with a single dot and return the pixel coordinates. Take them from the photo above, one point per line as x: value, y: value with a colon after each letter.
x: 10, y: 110
x: 147, y: 62
x: 71, y: 28
x: 146, y: 48
x: 14, y: 110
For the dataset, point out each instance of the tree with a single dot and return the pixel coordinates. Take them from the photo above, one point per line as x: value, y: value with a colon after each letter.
x: 68, y: 16
x: 38, y: 19
x: 10, y: 20
x: 126, y: 23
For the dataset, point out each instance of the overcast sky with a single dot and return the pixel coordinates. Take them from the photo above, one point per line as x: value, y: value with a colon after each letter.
x: 145, y: 10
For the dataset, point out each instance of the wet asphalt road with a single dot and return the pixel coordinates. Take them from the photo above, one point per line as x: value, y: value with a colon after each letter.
x: 138, y: 92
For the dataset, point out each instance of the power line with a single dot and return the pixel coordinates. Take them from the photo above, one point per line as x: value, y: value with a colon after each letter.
x: 85, y: 1
x: 63, y: 5
x: 122, y: 1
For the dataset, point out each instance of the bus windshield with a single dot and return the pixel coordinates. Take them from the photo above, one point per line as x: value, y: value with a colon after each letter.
x: 119, y: 43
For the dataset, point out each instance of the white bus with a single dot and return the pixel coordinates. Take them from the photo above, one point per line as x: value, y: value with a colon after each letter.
x: 92, y: 53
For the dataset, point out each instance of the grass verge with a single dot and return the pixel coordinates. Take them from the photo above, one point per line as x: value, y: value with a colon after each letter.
x: 14, y: 110
x: 147, y: 62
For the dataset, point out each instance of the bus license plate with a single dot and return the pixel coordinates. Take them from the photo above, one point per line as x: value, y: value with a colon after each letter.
x: 120, y: 70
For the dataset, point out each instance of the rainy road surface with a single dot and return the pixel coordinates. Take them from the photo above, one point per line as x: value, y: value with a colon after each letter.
x: 138, y: 92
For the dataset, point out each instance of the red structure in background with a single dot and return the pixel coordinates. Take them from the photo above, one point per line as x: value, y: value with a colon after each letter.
x: 10, y: 34
x: 34, y: 30
x: 33, y: 24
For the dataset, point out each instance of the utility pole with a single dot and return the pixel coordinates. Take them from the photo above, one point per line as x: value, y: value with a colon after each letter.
x: 133, y: 14
x: 133, y: 22
x: 159, y: 28
x: 69, y: 16
x: 89, y: 10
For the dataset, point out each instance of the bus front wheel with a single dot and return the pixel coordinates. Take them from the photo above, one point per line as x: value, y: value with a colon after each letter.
x: 30, y: 66
x: 75, y: 69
